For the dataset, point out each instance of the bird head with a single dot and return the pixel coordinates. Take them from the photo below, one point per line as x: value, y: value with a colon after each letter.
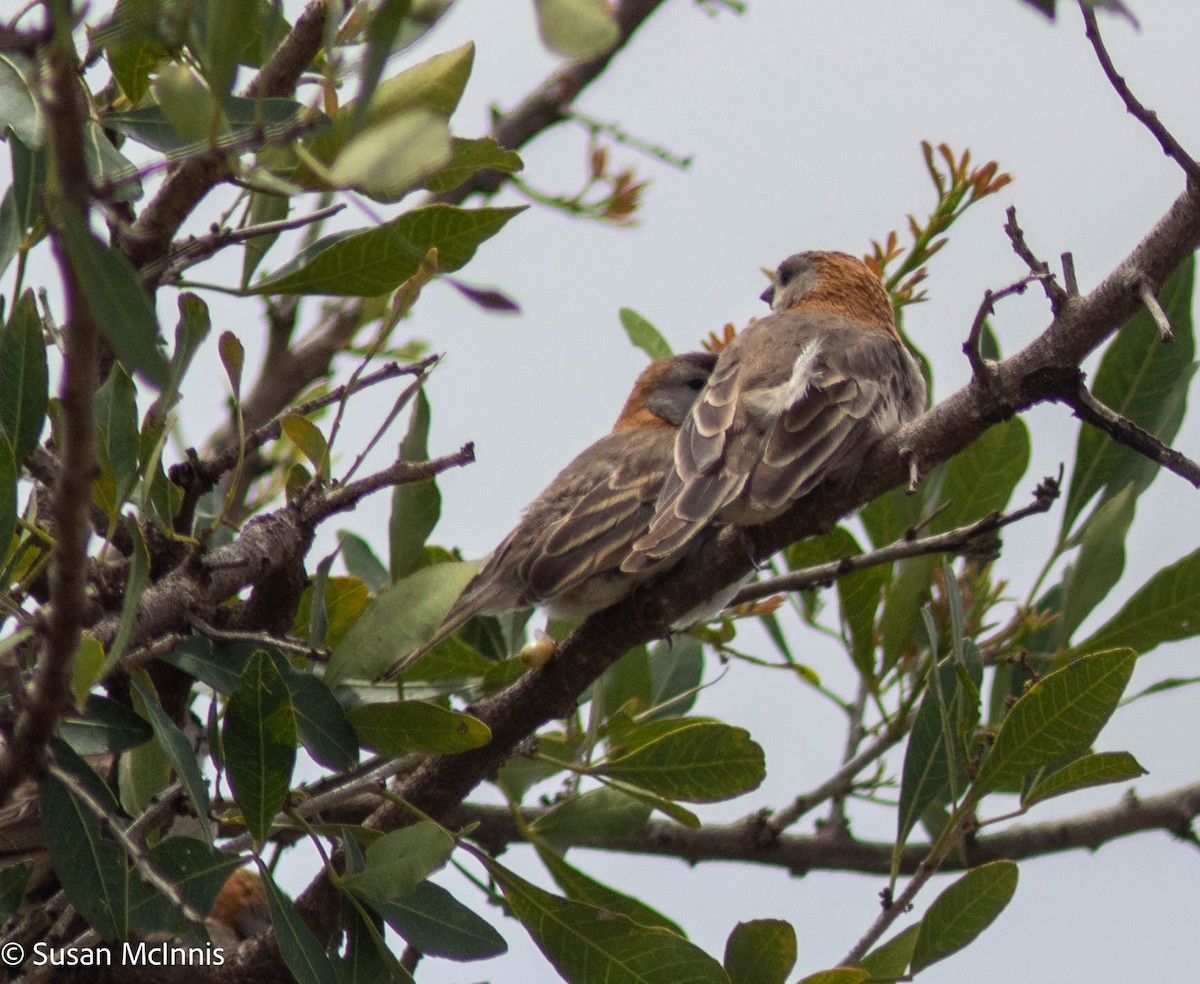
x: 833, y: 282
x: 665, y: 391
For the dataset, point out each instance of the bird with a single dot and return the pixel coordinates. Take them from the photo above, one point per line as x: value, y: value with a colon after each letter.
x: 565, y: 554
x: 799, y: 396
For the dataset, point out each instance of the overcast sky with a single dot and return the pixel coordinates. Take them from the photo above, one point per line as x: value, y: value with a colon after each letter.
x: 804, y: 121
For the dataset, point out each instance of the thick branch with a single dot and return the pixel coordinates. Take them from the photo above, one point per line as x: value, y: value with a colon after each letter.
x: 743, y: 842
x: 50, y: 693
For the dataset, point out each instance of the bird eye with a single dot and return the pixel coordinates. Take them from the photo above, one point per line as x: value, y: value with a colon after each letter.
x: 695, y: 384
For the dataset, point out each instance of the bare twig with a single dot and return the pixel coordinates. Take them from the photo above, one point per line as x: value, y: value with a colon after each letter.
x: 193, y: 250
x: 987, y: 307
x: 951, y: 541
x: 1090, y: 410
x: 1139, y: 111
x: 344, y: 497
x: 1068, y: 265
x: 1039, y: 268
x: 1161, y: 321
x: 283, y: 643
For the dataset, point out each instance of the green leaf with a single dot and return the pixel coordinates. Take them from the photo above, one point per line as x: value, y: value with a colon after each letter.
x: 19, y: 107
x: 117, y: 302
x: 1089, y: 770
x: 382, y: 30
x: 599, y: 816
x: 301, y: 950
x: 980, y: 480
x: 643, y: 335
x: 589, y: 944
x: 1145, y: 381
x: 1100, y: 562
x: 115, y: 411
x: 576, y: 29
x: 308, y: 438
x: 360, y: 560
x: 468, y: 157
x: 259, y: 744
x: 416, y: 506
x: 233, y: 358
x: 273, y: 118
x: 13, y: 879
x: 625, y: 685
x: 139, y: 578
x: 369, y: 262
x: 321, y: 722
x: 219, y: 668
x: 890, y: 960
x: 935, y: 759
x: 580, y: 888
x: 390, y: 157
x: 107, y: 165
x: 24, y: 378
x: 8, y: 495
x: 89, y: 661
x: 1059, y: 716
x: 417, y: 726
x: 225, y: 25
x: 400, y: 860
x: 264, y: 207
x: 1164, y: 608
x: 178, y: 749
x: 190, y: 332
x: 401, y: 618
x: 438, y: 925
x: 197, y: 869
x: 762, y: 951
x: 676, y: 671
x: 963, y: 911
x: 692, y: 759
x: 107, y: 727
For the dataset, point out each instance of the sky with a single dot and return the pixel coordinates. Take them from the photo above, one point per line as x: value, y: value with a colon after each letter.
x: 804, y: 122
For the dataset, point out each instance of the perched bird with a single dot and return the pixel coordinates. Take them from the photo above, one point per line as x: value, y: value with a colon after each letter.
x: 798, y: 397
x: 565, y: 554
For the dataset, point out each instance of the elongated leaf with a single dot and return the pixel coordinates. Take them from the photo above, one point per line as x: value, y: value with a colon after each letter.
x: 890, y: 960
x: 837, y: 975
x: 576, y: 29
x: 1164, y: 608
x: 1058, y: 716
x: 24, y: 378
x: 981, y: 479
x: 1101, y: 559
x: 438, y: 925
x: 106, y: 726
x: 197, y: 869
x: 259, y: 744
x: 115, y: 412
x: 308, y: 438
x: 1144, y: 381
x: 13, y: 879
x: 417, y: 726
x: 117, y: 302
x: 401, y: 618
x: 760, y: 952
x: 581, y: 888
x: 1090, y: 770
x: 179, y: 751
x: 598, y: 816
x: 696, y: 760
x: 382, y: 30
x: 360, y: 560
x: 400, y: 860
x: 370, y: 262
x: 264, y: 207
x: 391, y: 157
x: 139, y: 578
x: 963, y: 911
x: 588, y: 944
x: 676, y: 671
x: 300, y: 949
x: 8, y: 495
x: 416, y: 506
x: 643, y: 335
x: 467, y: 157
x: 19, y: 107
x: 321, y: 722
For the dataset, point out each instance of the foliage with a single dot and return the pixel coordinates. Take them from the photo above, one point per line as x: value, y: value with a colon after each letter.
x: 270, y: 653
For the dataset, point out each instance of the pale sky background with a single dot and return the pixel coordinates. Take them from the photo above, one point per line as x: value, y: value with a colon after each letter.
x: 804, y: 120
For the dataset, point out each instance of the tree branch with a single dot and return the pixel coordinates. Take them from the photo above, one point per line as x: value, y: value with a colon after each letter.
x: 1138, y: 110
x: 49, y: 697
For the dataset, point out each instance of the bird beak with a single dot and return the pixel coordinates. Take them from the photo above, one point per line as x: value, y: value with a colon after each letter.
x: 768, y: 295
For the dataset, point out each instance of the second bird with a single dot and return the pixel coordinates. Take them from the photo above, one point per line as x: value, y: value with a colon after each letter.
x: 798, y: 397
x: 566, y: 552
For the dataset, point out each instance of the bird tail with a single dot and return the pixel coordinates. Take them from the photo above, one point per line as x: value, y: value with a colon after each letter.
x: 459, y: 616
